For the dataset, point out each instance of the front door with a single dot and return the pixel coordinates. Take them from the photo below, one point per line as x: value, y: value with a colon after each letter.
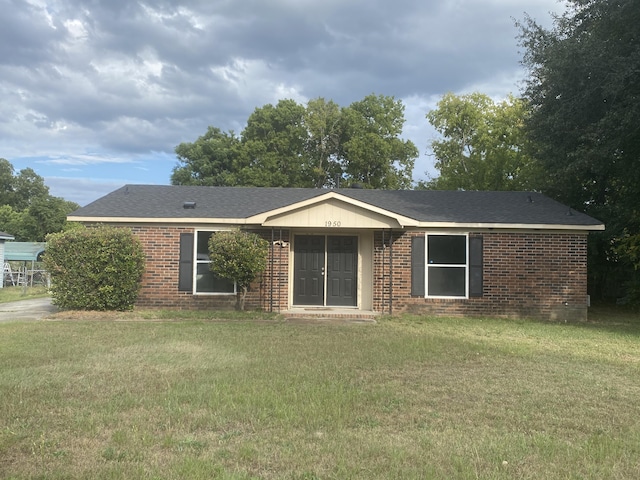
x: 315, y: 254
x: 342, y: 271
x: 308, y: 270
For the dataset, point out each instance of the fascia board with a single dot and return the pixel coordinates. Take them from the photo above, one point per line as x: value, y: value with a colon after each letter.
x: 510, y: 226
x: 403, y: 221
x: 176, y: 220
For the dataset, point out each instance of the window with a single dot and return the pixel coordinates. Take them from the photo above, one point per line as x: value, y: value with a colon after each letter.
x: 447, y: 265
x: 194, y: 266
x: 205, y: 280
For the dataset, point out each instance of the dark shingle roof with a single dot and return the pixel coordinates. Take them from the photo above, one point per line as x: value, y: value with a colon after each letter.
x: 163, y: 201
x: 476, y: 207
x: 166, y: 201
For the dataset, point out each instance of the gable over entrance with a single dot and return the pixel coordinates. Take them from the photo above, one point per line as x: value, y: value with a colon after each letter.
x: 332, y: 211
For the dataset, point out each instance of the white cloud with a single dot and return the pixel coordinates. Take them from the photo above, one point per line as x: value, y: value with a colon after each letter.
x: 80, y: 190
x: 89, y: 85
x: 83, y: 160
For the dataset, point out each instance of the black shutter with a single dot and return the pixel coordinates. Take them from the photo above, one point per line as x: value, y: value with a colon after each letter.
x: 185, y: 275
x: 417, y: 266
x: 475, y: 266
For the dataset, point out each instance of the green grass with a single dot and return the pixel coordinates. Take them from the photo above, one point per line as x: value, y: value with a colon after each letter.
x: 12, y: 294
x: 411, y: 397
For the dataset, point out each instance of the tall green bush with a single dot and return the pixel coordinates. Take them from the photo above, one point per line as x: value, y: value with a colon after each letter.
x: 94, y: 268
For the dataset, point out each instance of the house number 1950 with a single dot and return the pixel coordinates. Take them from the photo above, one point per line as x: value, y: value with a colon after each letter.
x: 332, y: 223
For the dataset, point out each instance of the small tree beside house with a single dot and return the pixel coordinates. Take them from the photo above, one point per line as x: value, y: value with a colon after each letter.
x: 239, y: 257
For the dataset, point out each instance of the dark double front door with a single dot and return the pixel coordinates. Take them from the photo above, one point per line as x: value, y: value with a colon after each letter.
x: 325, y: 270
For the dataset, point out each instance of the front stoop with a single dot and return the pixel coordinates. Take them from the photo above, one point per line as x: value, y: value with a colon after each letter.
x: 329, y: 315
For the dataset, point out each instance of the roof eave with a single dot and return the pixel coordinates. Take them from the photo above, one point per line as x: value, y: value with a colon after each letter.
x: 511, y: 226
x: 180, y: 220
x: 403, y: 221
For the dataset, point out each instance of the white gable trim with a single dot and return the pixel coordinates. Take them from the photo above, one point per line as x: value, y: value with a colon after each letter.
x: 265, y: 217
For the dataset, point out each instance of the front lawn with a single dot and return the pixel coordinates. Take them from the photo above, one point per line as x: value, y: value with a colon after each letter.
x: 406, y: 398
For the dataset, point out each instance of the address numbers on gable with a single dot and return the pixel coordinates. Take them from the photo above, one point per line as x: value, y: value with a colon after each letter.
x: 332, y: 223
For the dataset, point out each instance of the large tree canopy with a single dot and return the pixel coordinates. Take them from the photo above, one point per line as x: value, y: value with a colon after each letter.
x: 584, y: 92
x: 323, y: 121
x: 27, y: 210
x: 272, y: 153
x: 317, y: 145
x: 210, y: 160
x: 482, y: 144
x: 372, y: 151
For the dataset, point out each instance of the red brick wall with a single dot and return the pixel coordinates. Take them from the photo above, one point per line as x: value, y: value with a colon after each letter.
x: 160, y: 280
x: 270, y: 292
x: 540, y: 275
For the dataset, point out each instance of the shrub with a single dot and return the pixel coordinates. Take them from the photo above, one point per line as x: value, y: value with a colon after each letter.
x: 94, y: 268
x: 238, y: 256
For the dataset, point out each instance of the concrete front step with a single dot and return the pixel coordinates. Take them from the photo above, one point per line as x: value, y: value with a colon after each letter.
x: 325, y: 313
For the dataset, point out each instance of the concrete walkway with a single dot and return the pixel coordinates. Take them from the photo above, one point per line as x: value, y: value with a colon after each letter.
x: 26, y: 310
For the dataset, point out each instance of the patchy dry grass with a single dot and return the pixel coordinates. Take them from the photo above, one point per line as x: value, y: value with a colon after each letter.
x: 13, y: 294
x: 412, y: 397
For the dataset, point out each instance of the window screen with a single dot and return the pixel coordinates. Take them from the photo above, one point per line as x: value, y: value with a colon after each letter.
x: 447, y: 265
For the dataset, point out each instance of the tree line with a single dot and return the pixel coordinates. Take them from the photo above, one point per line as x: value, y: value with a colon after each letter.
x: 319, y: 145
x: 583, y: 127
x: 27, y: 210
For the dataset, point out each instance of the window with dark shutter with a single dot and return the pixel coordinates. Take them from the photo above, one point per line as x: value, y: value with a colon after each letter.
x: 417, y: 266
x: 206, y: 281
x: 446, y: 265
x: 185, y: 272
x: 475, y: 266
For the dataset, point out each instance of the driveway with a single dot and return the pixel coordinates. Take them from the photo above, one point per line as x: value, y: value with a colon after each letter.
x: 26, y: 310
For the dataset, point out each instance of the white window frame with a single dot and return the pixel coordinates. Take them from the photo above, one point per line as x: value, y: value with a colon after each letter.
x: 428, y: 266
x: 197, y: 262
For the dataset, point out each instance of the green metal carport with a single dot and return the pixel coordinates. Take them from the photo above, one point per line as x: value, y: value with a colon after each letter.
x: 27, y: 253
x: 3, y: 238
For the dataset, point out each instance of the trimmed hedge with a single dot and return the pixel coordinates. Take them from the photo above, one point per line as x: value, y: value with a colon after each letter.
x: 94, y: 268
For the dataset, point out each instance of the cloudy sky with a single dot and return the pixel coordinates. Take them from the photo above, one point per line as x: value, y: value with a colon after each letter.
x: 97, y: 93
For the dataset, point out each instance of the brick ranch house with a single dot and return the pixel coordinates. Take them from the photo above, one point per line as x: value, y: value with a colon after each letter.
x: 354, y: 252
